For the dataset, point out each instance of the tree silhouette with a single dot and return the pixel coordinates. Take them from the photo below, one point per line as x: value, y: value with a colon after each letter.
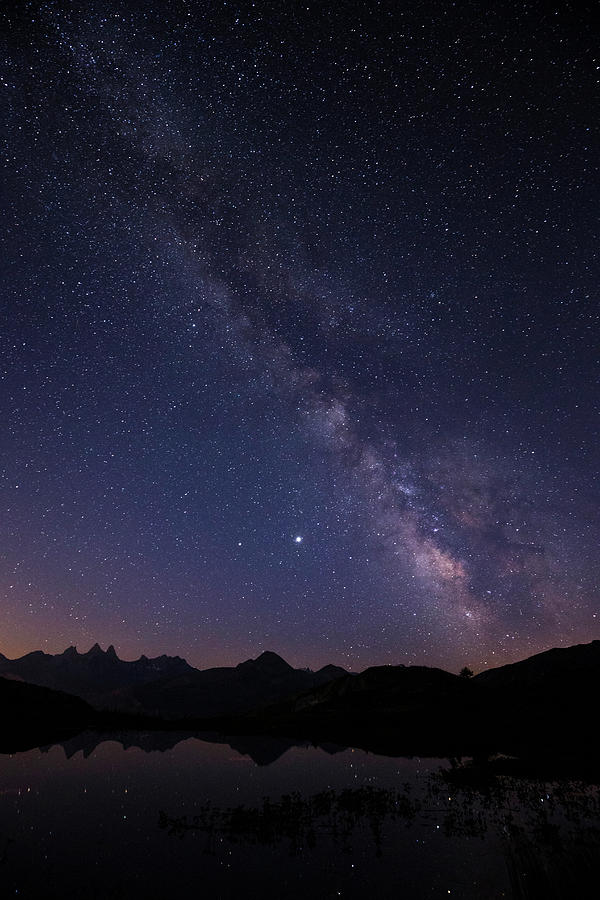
x: 466, y: 672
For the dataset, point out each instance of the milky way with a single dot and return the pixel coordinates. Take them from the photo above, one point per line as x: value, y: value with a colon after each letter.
x: 299, y: 331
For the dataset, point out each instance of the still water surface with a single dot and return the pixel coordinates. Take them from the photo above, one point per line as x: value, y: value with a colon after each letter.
x: 202, y: 819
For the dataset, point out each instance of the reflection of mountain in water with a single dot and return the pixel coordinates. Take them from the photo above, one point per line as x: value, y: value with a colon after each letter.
x: 149, y: 741
x: 262, y: 750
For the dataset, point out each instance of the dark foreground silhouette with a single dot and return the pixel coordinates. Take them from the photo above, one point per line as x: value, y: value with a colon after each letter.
x: 32, y: 715
x: 542, y: 707
x: 540, y: 710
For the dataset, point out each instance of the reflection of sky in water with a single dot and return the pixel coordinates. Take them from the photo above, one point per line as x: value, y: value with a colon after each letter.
x: 90, y: 826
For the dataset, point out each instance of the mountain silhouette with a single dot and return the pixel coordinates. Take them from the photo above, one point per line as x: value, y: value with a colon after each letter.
x: 381, y: 709
x: 538, y: 707
x: 226, y: 691
x: 385, y: 687
x: 94, y: 675
x: 548, y: 669
x: 548, y: 698
x: 166, y: 686
x: 542, y: 705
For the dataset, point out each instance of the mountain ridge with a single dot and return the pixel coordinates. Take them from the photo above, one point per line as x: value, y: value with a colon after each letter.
x: 87, y: 674
x: 538, y: 706
x: 552, y: 662
x: 165, y: 686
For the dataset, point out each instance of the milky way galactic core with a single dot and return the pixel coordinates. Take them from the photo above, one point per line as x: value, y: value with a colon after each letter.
x: 299, y: 330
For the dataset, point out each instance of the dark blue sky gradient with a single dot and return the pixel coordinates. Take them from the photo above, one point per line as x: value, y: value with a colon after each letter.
x: 293, y: 270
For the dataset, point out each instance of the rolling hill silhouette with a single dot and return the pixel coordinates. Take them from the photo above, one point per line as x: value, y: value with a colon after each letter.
x: 32, y: 715
x: 552, y: 668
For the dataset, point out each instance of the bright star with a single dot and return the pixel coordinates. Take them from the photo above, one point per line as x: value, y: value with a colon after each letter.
x: 298, y: 539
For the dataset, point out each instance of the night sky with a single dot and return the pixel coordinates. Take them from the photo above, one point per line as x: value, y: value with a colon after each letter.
x: 299, y: 330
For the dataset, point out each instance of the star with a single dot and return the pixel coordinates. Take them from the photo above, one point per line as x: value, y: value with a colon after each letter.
x: 272, y: 354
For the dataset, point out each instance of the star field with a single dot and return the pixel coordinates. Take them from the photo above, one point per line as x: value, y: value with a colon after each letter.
x: 299, y: 330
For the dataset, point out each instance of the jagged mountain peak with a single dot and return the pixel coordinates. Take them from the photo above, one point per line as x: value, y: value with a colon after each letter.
x: 96, y: 652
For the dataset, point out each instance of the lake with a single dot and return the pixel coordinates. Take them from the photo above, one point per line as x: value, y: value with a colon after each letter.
x: 92, y: 818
